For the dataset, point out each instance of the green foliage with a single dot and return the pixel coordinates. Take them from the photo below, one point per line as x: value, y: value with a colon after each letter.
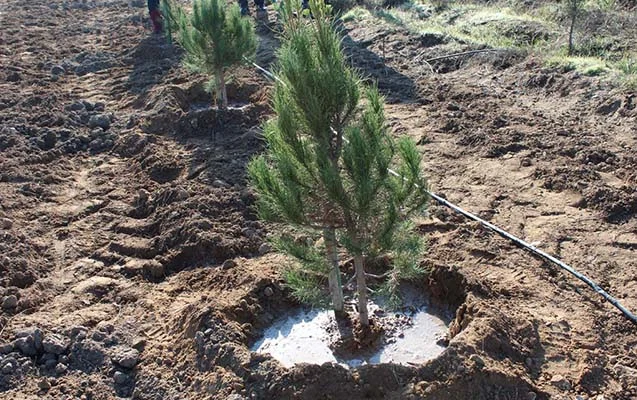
x: 310, y: 256
x: 306, y: 288
x: 628, y: 65
x: 172, y: 15
x: 306, y: 275
x: 407, y: 250
x: 215, y: 37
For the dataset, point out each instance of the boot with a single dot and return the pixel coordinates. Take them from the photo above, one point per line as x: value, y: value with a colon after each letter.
x: 155, y: 17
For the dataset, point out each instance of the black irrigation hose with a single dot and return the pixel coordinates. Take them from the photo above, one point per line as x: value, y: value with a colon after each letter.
x: 525, y: 245
x: 542, y: 254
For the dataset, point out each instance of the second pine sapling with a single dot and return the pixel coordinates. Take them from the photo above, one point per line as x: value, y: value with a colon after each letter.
x: 215, y: 37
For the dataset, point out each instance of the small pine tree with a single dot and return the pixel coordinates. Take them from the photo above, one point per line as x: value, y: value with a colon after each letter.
x: 326, y: 166
x: 215, y: 37
x: 377, y: 204
x: 316, y: 93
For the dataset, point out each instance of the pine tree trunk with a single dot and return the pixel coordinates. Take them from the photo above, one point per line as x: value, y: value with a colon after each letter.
x: 571, y: 30
x: 361, y: 288
x: 334, y: 277
x: 222, y: 95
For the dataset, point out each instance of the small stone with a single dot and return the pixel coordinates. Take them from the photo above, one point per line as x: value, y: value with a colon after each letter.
x: 127, y: 358
x: 530, y: 396
x: 96, y: 144
x: 526, y: 162
x: 209, y: 332
x: 200, y: 340
x: 26, y: 345
x: 37, y: 339
x: 268, y: 292
x: 10, y: 302
x: 155, y: 269
x: 8, y: 368
x: 98, y: 336
x: 265, y: 248
x: 560, y: 382
x: 96, y: 133
x: 75, y: 106
x: 228, y: 264
x: 60, y: 369
x: 6, y: 348
x: 248, y: 232
x: 101, y: 120
x: 142, y: 195
x: 47, y: 357
x: 44, y: 384
x: 6, y: 223
x: 106, y: 327
x: 63, y: 359
x: 55, y: 344
x: 14, y: 77
x: 220, y: 184
x: 120, y: 378
x: 76, y: 330
x: 139, y: 344
x: 50, y: 139
x: 58, y: 70
x: 99, y: 106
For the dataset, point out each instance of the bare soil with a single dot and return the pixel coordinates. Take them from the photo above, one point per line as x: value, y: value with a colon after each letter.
x: 132, y: 265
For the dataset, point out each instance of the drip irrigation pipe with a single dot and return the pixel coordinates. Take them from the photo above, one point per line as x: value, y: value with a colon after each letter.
x: 522, y: 243
x: 528, y: 246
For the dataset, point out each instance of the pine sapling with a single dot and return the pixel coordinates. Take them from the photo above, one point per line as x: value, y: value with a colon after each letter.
x: 326, y: 165
x: 215, y: 37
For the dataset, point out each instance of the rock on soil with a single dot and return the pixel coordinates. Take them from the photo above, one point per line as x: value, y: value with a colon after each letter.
x: 120, y: 378
x: 55, y: 344
x: 6, y: 223
x: 10, y: 302
x: 100, y: 120
x: 126, y: 357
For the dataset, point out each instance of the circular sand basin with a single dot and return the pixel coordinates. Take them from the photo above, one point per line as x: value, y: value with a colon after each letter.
x: 305, y: 337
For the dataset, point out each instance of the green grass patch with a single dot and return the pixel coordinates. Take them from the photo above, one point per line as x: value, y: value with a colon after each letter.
x: 468, y: 23
x: 539, y: 29
x: 590, y: 66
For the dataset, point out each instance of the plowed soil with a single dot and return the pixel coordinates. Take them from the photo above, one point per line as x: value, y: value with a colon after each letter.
x: 132, y: 264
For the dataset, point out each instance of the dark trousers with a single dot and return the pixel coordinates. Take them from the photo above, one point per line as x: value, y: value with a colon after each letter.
x: 153, y: 5
x: 244, y: 3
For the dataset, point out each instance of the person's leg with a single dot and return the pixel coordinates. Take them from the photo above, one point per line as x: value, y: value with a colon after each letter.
x: 244, y: 7
x: 155, y: 15
x: 260, y: 5
x: 153, y: 5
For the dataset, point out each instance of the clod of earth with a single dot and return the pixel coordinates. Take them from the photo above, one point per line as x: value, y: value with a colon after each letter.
x: 127, y: 358
x: 10, y: 302
x: 55, y: 344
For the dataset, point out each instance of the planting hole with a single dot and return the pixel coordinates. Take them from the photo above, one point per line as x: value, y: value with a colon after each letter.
x: 411, y: 336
